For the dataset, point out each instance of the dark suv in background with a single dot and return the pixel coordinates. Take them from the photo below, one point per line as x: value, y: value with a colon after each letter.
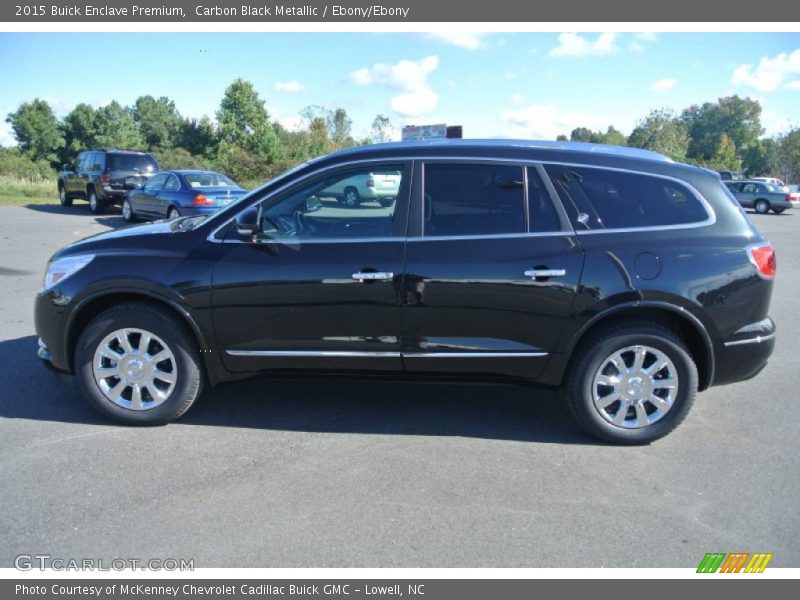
x: 104, y: 177
x: 626, y: 279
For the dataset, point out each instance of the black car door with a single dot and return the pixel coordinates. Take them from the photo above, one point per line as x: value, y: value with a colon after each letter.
x: 492, y: 268
x: 320, y: 286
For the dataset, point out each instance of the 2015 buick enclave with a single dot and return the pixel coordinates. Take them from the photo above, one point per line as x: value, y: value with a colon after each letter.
x: 626, y: 279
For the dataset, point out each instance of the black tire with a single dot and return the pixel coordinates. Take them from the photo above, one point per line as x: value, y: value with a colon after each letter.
x: 762, y: 206
x: 386, y: 202
x: 163, y: 324
x: 127, y: 212
x: 96, y: 205
x: 351, y: 197
x: 173, y: 213
x: 778, y: 211
x: 594, y: 351
x: 63, y: 196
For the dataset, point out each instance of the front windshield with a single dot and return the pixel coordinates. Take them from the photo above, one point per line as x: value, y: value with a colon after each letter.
x: 208, y: 179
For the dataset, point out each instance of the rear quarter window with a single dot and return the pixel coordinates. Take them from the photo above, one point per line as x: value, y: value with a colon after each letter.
x: 598, y: 198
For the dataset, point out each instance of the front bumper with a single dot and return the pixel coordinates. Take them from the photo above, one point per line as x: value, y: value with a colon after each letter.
x: 47, y: 360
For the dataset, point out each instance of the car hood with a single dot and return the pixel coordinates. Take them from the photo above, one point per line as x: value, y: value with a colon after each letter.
x: 132, y: 235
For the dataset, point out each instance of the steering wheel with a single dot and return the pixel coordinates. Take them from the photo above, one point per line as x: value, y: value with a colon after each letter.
x: 287, y: 227
x: 302, y: 224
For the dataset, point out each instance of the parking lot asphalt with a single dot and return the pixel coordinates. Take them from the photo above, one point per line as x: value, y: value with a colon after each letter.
x: 311, y: 473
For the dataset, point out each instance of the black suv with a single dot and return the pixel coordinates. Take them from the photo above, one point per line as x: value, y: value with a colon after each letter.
x: 103, y: 177
x: 626, y: 279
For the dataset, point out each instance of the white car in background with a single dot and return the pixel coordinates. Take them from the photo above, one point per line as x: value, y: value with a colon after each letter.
x: 769, y: 180
x: 377, y: 187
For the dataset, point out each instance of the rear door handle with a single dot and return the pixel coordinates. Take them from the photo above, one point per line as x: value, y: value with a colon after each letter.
x: 536, y: 273
x: 373, y: 276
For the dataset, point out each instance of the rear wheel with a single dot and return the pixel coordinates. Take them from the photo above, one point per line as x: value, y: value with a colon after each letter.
x: 173, y: 213
x: 63, y: 196
x: 761, y: 206
x: 351, y: 197
x: 631, y: 383
x: 96, y: 205
x: 778, y: 211
x: 138, y: 364
x: 127, y: 211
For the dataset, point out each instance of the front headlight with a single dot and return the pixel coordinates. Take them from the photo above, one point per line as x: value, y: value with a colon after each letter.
x: 61, y: 268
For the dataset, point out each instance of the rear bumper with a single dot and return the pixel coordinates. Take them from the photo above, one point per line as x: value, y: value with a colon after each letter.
x: 745, y: 353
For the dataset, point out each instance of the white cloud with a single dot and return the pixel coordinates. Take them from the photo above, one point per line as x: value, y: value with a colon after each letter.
x: 646, y: 36
x: 471, y: 40
x: 59, y: 106
x: 517, y: 99
x: 6, y: 135
x: 662, y: 85
x: 770, y: 73
x: 509, y: 75
x: 793, y: 85
x: 292, y: 87
x: 408, y: 77
x: 577, y: 46
x: 547, y: 121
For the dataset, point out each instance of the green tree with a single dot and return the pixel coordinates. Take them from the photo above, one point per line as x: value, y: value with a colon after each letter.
x: 114, y: 127
x: 159, y: 121
x: 244, y: 122
x: 785, y: 162
x: 381, y: 130
x: 199, y: 136
x: 339, y: 125
x: 724, y: 157
x: 37, y: 131
x: 581, y: 134
x: 561, y: 138
x: 612, y: 136
x: 661, y: 131
x: 736, y: 117
x: 79, y: 128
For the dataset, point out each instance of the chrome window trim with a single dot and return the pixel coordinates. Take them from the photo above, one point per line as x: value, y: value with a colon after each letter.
x: 756, y: 340
x: 379, y: 354
x: 710, y: 214
x: 358, y: 240
x: 712, y: 217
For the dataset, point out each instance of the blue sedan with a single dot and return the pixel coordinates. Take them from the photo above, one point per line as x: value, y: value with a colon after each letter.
x: 173, y: 194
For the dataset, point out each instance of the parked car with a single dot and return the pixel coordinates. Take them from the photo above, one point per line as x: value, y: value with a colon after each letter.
x: 378, y: 187
x: 770, y: 180
x: 763, y: 197
x: 730, y: 175
x: 626, y: 279
x: 104, y: 176
x: 172, y: 194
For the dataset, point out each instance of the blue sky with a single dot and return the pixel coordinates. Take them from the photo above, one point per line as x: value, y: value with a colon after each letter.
x: 532, y: 85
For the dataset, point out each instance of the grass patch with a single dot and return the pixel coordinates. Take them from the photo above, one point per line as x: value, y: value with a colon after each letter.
x: 15, y: 191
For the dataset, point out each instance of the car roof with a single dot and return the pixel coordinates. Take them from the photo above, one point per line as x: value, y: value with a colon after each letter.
x: 430, y: 147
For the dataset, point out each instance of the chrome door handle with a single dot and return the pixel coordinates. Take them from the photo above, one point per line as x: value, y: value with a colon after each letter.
x: 373, y: 276
x: 534, y: 273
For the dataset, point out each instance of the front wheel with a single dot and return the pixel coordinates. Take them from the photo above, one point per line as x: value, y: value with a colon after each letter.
x: 138, y: 365
x: 63, y: 196
x: 631, y: 383
x: 761, y: 206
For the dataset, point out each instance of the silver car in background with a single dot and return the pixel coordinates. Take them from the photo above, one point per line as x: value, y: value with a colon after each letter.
x: 763, y: 197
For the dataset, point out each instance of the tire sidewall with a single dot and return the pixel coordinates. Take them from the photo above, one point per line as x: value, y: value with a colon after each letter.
x: 96, y: 206
x: 188, y: 380
x: 127, y: 215
x: 761, y: 203
x: 603, y: 348
x: 355, y: 197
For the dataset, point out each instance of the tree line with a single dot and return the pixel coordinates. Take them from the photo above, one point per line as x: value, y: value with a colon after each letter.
x: 246, y: 143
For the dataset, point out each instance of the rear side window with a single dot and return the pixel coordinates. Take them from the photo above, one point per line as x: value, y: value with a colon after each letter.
x: 132, y: 162
x: 473, y: 199
x: 597, y: 198
x: 542, y: 215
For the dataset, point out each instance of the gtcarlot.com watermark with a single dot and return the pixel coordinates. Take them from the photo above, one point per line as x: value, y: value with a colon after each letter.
x: 46, y: 562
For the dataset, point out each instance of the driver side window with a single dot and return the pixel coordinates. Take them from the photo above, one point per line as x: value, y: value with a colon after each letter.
x: 354, y: 203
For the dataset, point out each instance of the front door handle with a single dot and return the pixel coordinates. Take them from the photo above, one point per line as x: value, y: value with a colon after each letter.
x: 373, y: 276
x: 541, y: 273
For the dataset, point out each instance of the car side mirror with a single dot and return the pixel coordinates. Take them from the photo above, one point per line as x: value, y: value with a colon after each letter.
x: 247, y: 222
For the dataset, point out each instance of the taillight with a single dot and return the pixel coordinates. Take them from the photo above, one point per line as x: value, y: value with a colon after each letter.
x: 106, y: 178
x: 202, y: 200
x: 763, y: 257
x: 790, y: 197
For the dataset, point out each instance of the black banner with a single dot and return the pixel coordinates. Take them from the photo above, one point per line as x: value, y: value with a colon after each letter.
x: 414, y: 11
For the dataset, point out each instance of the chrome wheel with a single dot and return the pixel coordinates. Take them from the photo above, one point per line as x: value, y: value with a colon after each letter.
x: 62, y: 194
x: 174, y: 213
x: 135, y: 369
x: 635, y: 387
x: 93, y: 201
x: 126, y: 210
x: 351, y: 198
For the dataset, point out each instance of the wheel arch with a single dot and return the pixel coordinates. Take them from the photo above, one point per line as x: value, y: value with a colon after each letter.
x: 90, y: 307
x: 675, y: 318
